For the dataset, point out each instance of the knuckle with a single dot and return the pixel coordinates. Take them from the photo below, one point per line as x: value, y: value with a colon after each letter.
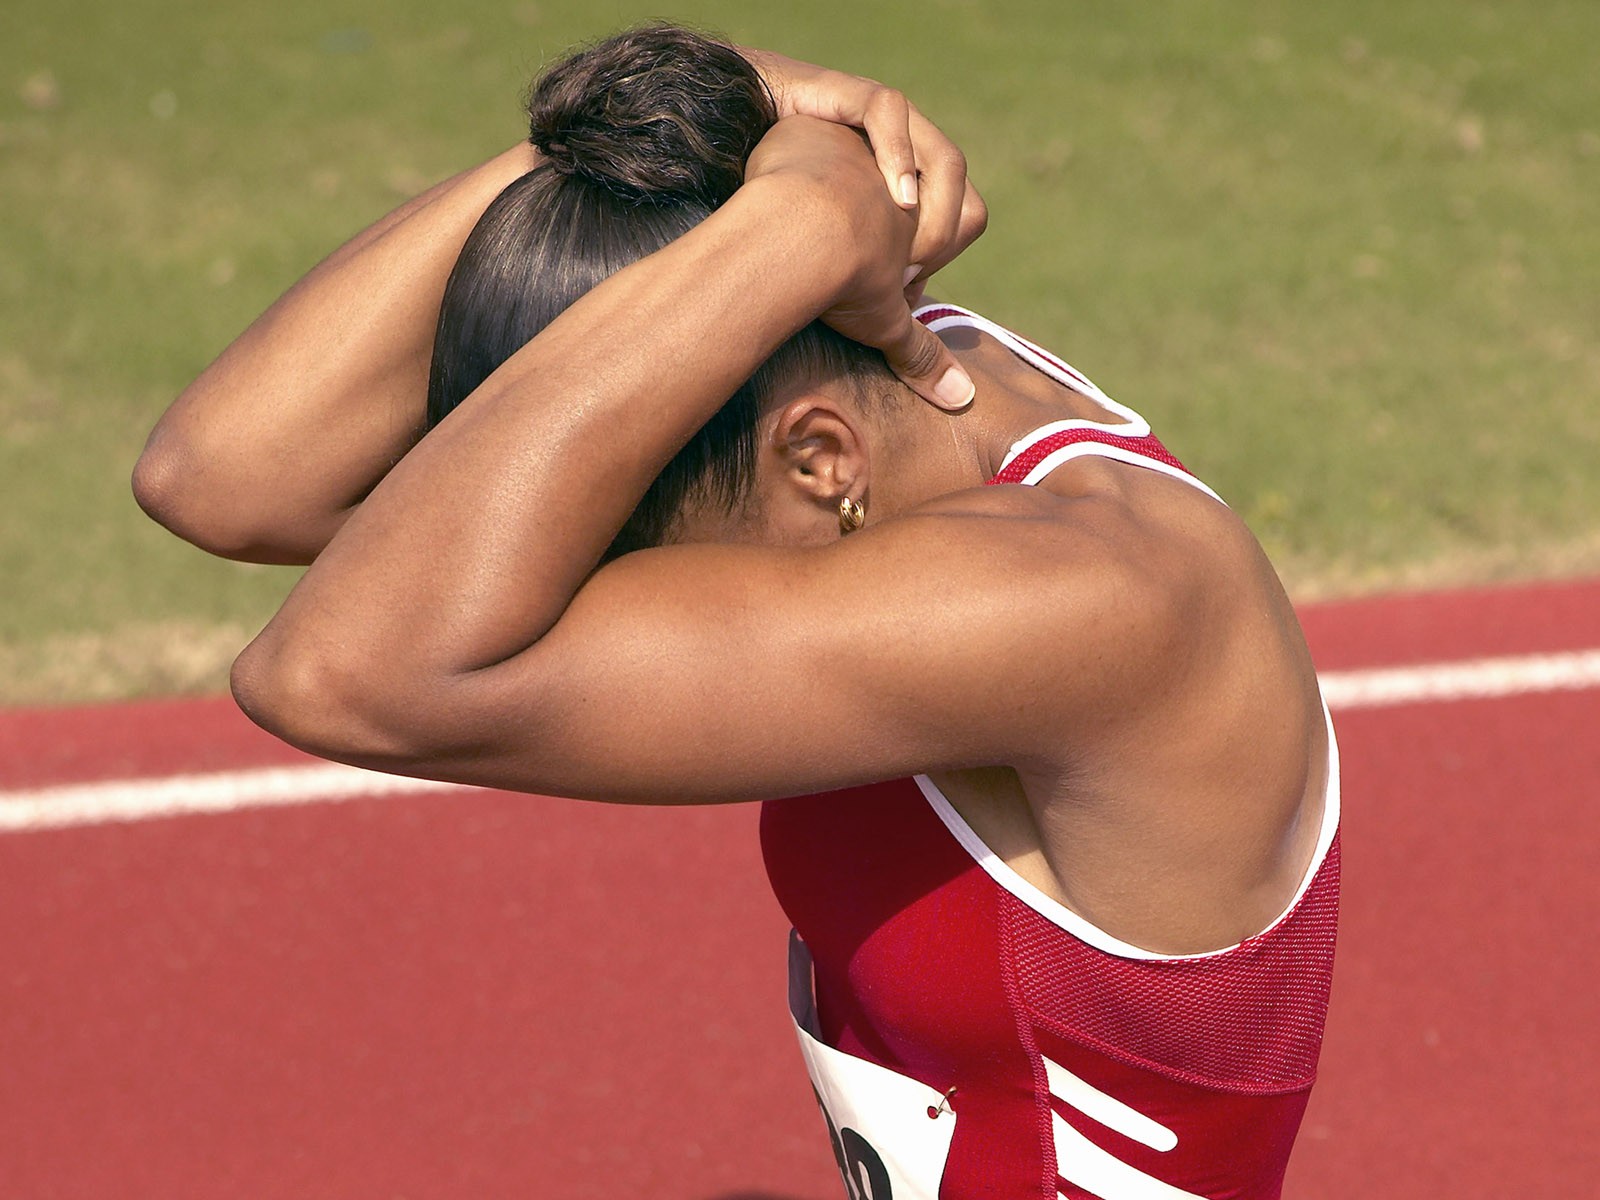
x: 921, y: 355
x: 887, y: 99
x: 975, y: 218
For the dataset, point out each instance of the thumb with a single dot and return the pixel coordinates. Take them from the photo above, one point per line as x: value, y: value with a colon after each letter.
x: 927, y: 366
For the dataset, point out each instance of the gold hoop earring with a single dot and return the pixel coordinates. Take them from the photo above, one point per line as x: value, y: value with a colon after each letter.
x: 851, y: 515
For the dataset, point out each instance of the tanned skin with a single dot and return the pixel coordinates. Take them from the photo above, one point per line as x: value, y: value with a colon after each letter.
x: 265, y: 455
x: 1102, y: 671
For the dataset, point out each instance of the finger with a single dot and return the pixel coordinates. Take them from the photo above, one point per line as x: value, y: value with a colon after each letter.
x: 972, y: 220
x: 944, y: 181
x: 940, y: 213
x: 887, y: 120
x: 811, y: 91
x: 927, y: 366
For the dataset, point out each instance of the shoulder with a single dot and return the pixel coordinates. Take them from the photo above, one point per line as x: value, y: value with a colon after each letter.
x: 1089, y: 541
x: 1003, y: 626
x: 1083, y: 597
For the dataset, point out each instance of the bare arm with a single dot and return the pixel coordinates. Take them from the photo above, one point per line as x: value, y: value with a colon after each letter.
x: 267, y: 452
x: 453, y: 629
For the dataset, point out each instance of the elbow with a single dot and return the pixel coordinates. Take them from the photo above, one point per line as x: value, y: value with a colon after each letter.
x: 322, y: 702
x: 176, y: 488
x: 169, y: 485
x: 158, y: 484
x: 291, y: 695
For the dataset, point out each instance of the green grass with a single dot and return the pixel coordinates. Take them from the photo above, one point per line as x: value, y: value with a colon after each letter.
x: 1344, y: 256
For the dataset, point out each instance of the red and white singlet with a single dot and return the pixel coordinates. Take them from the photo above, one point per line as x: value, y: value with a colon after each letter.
x: 970, y: 1038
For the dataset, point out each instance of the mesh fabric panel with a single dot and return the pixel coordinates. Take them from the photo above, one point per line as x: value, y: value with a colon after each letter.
x: 1248, y: 1019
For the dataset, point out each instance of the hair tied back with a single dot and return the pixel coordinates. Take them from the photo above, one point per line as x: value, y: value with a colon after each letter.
x: 654, y: 113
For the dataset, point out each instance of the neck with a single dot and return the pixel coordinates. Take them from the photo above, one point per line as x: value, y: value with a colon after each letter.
x: 936, y: 452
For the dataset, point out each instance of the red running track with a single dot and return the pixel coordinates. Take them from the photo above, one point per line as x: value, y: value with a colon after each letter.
x: 491, y: 996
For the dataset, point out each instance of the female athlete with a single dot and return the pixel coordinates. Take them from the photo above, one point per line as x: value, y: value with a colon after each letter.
x: 1052, y: 799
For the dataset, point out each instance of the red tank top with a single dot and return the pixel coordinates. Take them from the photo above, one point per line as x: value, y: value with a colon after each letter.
x: 970, y: 1037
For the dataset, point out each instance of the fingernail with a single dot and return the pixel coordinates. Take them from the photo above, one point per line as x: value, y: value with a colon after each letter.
x: 912, y: 272
x: 908, y: 189
x: 955, y: 389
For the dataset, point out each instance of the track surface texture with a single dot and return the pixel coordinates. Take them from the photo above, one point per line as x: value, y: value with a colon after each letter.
x: 461, y: 993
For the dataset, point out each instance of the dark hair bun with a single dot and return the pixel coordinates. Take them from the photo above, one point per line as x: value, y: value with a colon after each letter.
x: 655, y: 113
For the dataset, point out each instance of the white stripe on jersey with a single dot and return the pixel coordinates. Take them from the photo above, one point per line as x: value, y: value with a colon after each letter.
x: 1108, y: 1110
x: 1084, y: 1164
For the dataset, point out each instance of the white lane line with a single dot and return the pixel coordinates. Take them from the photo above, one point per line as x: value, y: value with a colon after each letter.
x: 265, y: 787
x: 212, y: 792
x: 1475, y: 679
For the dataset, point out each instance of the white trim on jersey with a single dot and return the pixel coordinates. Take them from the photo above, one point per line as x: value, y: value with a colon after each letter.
x: 1100, y: 450
x: 1131, y: 425
x: 1084, y: 930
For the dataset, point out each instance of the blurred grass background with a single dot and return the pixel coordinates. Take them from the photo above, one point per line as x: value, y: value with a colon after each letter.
x: 1345, y: 257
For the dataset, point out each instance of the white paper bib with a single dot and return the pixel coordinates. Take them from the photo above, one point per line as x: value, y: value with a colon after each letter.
x: 891, y: 1134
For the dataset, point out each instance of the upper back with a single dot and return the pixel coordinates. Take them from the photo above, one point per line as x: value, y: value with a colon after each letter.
x: 1188, y: 817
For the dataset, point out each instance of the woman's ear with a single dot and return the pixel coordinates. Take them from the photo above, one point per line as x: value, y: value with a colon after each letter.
x: 821, y: 453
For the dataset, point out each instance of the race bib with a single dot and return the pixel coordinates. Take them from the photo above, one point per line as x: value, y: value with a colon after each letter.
x: 891, y: 1134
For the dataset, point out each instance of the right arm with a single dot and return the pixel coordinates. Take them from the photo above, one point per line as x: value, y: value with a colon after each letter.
x: 265, y: 455
x: 475, y: 641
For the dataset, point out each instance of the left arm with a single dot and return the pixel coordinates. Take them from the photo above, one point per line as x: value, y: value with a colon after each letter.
x: 268, y: 452
x: 453, y: 629
x: 271, y: 448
